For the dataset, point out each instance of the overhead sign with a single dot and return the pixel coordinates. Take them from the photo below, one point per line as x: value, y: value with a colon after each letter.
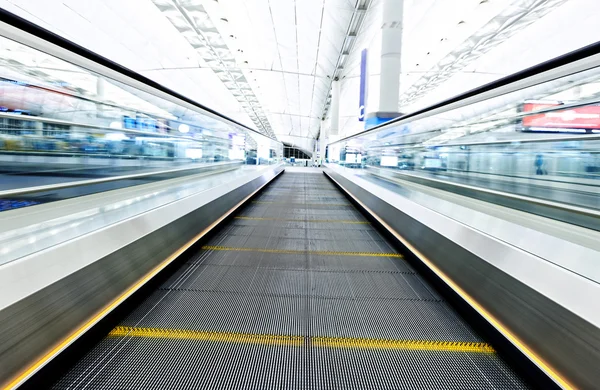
x: 363, y: 85
x: 139, y: 123
x: 577, y: 118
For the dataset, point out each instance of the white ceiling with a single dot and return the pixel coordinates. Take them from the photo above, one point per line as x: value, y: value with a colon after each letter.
x: 268, y: 63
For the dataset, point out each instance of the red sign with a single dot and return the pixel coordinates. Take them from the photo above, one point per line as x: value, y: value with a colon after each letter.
x: 587, y: 117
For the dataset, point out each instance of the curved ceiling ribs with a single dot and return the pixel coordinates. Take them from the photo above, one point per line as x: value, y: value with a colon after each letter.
x: 193, y: 22
x: 510, y: 21
x: 287, y: 54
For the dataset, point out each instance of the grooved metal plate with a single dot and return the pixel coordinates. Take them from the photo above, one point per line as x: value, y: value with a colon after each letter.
x: 301, y: 292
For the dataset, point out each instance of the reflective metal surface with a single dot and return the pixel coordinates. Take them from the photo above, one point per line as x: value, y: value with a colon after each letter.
x: 23, y: 232
x: 64, y: 290
x: 134, y: 171
x: 337, y: 304
x: 547, y: 311
x: 551, y: 240
x: 64, y: 119
x: 536, y: 138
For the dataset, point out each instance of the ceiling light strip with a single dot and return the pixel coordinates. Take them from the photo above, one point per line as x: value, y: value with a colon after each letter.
x: 354, y: 27
x: 498, y: 30
x: 194, y: 23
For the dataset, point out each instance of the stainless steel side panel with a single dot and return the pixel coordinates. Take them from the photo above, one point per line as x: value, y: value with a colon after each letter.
x: 546, y: 208
x: 34, y: 325
x: 519, y: 290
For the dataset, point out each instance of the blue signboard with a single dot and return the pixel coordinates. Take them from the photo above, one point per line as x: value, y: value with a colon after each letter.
x: 139, y: 123
x: 129, y: 123
x: 363, y: 85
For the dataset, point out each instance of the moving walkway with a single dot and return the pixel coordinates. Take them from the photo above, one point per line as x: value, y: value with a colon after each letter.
x: 297, y: 291
x: 265, y: 276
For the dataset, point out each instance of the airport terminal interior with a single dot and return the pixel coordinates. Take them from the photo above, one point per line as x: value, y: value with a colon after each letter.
x: 299, y: 194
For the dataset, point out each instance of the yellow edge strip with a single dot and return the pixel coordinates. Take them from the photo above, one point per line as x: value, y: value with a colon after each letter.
x: 291, y: 251
x: 302, y: 204
x: 241, y: 338
x: 414, y: 345
x: 305, y: 220
x: 296, y: 188
x: 302, y: 341
x: 23, y: 376
x: 549, y: 370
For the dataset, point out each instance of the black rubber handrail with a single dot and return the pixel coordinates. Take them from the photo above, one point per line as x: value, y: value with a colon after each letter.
x: 40, y: 32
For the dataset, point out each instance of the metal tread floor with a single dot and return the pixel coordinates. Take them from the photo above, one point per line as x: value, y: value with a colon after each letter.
x: 297, y: 292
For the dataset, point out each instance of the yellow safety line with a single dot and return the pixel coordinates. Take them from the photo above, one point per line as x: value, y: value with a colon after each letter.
x: 302, y: 341
x: 300, y: 252
x: 418, y: 345
x: 241, y: 338
x: 306, y: 220
x: 312, y: 188
x: 547, y: 368
x: 302, y: 204
x: 59, y: 347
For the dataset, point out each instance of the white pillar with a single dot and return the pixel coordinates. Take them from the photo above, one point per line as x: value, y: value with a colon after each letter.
x: 322, y: 142
x: 39, y: 128
x: 99, y: 96
x: 334, y: 109
x: 100, y: 88
x: 391, y: 44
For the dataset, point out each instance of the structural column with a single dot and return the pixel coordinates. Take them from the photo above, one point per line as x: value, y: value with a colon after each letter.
x: 39, y: 128
x: 391, y: 45
x: 334, y: 109
x: 322, y: 142
x: 100, y: 97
